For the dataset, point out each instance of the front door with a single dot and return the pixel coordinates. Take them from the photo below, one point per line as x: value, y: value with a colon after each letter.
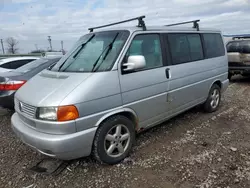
x: 145, y: 90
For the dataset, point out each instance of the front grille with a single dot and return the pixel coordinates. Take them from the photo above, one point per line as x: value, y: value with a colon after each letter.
x: 25, y: 109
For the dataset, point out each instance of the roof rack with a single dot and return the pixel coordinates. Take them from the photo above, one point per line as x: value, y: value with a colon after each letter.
x: 141, y: 23
x: 195, y: 24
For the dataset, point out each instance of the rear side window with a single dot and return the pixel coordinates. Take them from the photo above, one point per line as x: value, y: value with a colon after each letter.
x: 213, y: 44
x: 33, y: 65
x: 16, y: 64
x: 185, y: 47
x: 6, y: 65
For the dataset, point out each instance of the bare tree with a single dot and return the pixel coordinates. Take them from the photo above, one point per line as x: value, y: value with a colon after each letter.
x: 12, y: 45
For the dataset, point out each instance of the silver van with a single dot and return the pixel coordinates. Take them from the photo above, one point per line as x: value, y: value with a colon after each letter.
x: 115, y: 83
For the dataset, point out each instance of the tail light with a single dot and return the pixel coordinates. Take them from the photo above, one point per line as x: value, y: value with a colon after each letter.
x: 11, y: 85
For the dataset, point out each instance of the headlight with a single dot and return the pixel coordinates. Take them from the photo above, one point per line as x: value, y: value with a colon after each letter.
x: 47, y: 113
x: 61, y: 113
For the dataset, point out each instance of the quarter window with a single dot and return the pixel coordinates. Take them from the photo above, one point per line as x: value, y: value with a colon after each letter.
x: 150, y: 47
x: 185, y: 48
x: 213, y: 44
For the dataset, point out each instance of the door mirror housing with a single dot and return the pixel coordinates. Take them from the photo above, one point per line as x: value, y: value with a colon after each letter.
x: 134, y: 62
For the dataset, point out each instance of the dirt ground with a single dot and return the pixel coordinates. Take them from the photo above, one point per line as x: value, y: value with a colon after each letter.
x: 192, y: 150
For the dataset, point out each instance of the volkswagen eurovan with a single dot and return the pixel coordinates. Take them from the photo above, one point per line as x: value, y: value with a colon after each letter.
x: 117, y: 82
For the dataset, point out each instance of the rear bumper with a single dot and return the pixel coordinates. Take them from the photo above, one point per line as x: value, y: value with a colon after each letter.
x: 239, y: 69
x: 7, y: 101
x: 65, y: 147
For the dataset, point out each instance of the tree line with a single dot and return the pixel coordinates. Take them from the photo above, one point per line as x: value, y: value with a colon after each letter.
x: 12, y: 47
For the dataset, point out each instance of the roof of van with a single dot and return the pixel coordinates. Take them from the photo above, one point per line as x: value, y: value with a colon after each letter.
x: 159, y: 28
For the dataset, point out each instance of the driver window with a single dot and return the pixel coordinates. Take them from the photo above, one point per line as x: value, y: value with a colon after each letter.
x: 149, y: 46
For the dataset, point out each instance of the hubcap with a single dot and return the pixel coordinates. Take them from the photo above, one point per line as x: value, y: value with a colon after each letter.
x: 215, y: 98
x: 117, y: 140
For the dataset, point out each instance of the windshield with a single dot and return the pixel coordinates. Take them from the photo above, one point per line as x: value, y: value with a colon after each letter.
x: 88, y: 53
x: 32, y: 65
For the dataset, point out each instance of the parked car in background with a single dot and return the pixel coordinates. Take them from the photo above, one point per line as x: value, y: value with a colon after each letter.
x: 238, y: 51
x: 114, y: 83
x: 11, y: 81
x: 12, y: 63
x: 54, y: 54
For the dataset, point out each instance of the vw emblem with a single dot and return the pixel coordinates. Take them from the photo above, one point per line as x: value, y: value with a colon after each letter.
x: 20, y: 106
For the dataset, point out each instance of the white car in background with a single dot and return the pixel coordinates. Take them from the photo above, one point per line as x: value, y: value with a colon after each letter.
x: 8, y: 64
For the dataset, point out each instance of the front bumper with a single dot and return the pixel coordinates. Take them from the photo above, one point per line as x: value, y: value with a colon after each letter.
x: 65, y: 147
x: 7, y: 100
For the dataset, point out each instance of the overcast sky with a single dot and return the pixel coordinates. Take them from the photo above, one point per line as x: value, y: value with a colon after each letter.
x: 31, y: 21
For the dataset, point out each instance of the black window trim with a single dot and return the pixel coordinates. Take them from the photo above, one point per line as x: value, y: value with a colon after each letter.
x: 163, y: 53
x: 185, y: 33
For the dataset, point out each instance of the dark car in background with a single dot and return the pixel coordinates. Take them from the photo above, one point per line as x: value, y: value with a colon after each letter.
x: 10, y: 82
x: 238, y: 51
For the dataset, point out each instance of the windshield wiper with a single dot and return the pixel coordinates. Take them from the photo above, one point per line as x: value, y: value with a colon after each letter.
x: 82, y: 46
x: 108, y: 48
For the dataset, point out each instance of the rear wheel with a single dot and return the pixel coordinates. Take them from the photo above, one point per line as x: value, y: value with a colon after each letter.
x: 213, y: 101
x: 114, y: 140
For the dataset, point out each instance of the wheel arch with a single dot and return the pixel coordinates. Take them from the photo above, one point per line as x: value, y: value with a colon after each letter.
x: 217, y: 82
x: 127, y: 112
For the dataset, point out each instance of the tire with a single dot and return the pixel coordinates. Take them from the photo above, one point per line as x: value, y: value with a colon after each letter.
x: 229, y: 76
x: 107, y: 149
x: 214, y: 98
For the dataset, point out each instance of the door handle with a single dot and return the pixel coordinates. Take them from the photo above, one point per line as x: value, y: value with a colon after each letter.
x: 167, y: 71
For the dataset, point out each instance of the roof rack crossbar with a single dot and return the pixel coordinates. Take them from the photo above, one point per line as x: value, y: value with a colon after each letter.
x: 195, y: 24
x: 141, y: 23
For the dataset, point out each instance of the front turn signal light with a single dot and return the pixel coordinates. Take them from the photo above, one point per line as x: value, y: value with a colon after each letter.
x: 67, y: 113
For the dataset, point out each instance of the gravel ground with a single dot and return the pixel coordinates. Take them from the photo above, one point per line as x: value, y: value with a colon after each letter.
x: 192, y: 150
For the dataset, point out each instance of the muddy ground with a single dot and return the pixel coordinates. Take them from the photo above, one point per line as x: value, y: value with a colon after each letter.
x: 192, y: 150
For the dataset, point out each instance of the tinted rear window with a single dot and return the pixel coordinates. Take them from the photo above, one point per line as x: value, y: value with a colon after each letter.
x: 16, y: 64
x: 214, y: 46
x: 239, y: 46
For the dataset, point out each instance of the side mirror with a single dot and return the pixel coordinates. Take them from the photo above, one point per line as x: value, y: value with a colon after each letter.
x: 134, y: 62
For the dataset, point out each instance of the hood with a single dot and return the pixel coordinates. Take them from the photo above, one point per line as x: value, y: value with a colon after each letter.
x: 49, y: 88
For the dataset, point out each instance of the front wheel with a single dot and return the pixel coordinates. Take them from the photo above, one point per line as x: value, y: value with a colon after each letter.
x: 114, y: 139
x: 213, y: 101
